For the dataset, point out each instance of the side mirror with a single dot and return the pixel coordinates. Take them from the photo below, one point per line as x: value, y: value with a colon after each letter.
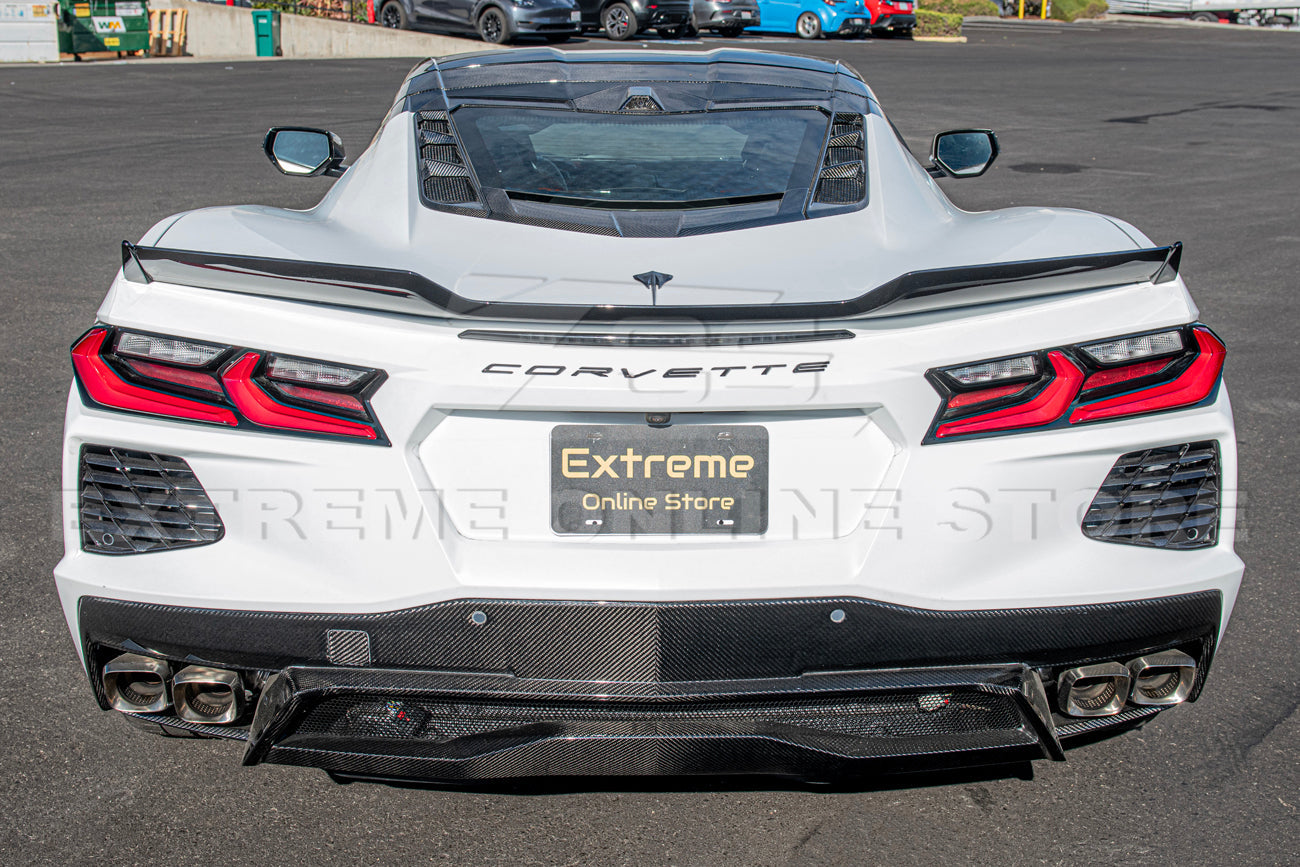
x: 304, y: 152
x: 963, y: 153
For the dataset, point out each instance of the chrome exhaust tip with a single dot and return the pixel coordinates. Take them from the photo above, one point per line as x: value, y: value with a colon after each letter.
x: 1093, y: 690
x: 207, y: 695
x: 137, y: 684
x: 1162, y: 679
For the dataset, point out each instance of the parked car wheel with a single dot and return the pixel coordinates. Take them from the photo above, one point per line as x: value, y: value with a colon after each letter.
x: 731, y: 31
x: 1207, y: 17
x: 494, y: 26
x: 619, y: 22
x: 809, y: 26
x: 393, y: 14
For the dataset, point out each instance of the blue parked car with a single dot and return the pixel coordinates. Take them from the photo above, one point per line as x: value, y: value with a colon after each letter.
x: 811, y: 19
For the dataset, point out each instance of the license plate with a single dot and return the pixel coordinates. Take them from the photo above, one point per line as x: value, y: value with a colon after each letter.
x: 575, y: 16
x: 642, y: 480
x: 857, y: 22
x: 746, y: 15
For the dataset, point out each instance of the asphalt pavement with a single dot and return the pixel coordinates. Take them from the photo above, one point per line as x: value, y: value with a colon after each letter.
x: 1189, y: 133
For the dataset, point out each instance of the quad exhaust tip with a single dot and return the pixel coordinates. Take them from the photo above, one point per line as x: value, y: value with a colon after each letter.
x: 137, y: 684
x: 1162, y: 679
x: 207, y: 695
x: 1093, y: 690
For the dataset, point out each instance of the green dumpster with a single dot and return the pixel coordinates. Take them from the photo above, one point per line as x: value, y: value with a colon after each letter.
x: 266, y: 27
x: 104, y: 25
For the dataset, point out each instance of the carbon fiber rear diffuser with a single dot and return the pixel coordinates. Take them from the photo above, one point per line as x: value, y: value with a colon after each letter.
x: 447, y: 726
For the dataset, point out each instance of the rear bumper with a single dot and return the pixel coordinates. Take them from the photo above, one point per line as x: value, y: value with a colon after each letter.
x: 720, y: 18
x: 895, y: 22
x: 662, y: 18
x: 852, y: 23
x: 809, y: 688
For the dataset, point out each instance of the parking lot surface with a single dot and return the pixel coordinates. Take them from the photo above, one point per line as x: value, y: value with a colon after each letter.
x: 1189, y: 133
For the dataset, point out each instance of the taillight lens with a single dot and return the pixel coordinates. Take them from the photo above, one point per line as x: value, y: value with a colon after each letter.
x: 1117, y: 378
x: 191, y: 380
x: 258, y: 405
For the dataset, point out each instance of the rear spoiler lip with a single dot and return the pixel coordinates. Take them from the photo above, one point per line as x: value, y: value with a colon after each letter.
x: 400, y: 291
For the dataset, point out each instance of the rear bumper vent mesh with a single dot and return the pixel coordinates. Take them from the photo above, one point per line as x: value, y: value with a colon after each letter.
x: 132, y: 502
x: 1160, y: 498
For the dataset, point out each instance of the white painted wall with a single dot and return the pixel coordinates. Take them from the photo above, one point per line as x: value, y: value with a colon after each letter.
x: 227, y: 31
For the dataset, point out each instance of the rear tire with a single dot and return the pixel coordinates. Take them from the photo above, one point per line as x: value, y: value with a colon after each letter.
x: 494, y: 26
x: 618, y: 22
x: 809, y: 26
x: 393, y: 15
x: 1207, y: 17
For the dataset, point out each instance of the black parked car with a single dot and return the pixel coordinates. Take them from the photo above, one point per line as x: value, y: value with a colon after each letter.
x: 495, y: 21
x: 623, y: 19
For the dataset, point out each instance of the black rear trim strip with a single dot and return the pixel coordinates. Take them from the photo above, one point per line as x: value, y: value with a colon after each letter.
x: 552, y: 338
x: 359, y: 286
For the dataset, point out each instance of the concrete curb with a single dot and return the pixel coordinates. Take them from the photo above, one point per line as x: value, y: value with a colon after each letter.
x: 953, y: 39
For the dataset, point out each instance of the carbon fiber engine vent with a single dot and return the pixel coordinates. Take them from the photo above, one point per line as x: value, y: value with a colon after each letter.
x: 132, y: 502
x: 843, y: 178
x: 1160, y: 498
x: 444, y: 176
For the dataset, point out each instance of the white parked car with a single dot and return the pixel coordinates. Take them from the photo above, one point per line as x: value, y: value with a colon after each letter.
x: 636, y: 412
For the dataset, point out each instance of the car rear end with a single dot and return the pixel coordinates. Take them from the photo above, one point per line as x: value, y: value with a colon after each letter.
x: 367, y: 522
x: 727, y: 16
x: 893, y: 17
x: 845, y: 17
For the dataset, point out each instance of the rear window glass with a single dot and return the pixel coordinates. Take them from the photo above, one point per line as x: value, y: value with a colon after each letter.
x: 698, y: 159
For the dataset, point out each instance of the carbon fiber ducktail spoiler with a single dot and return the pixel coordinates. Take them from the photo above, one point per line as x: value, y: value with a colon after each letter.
x: 406, y: 292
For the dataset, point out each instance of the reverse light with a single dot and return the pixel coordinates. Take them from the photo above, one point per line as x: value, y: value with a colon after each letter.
x: 313, y: 372
x: 1134, y: 348
x: 177, y: 378
x: 995, y: 371
x: 1117, y: 378
x: 186, y: 353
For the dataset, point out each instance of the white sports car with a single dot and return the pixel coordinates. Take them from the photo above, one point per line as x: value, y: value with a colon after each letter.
x: 630, y: 412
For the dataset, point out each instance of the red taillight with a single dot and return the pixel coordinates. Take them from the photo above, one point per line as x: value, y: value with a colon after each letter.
x: 1044, y: 408
x: 106, y: 387
x: 1115, y: 378
x: 1124, y: 374
x: 1191, y: 386
x: 984, y: 395
x: 184, y: 379
x: 260, y: 408
x: 174, y: 375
